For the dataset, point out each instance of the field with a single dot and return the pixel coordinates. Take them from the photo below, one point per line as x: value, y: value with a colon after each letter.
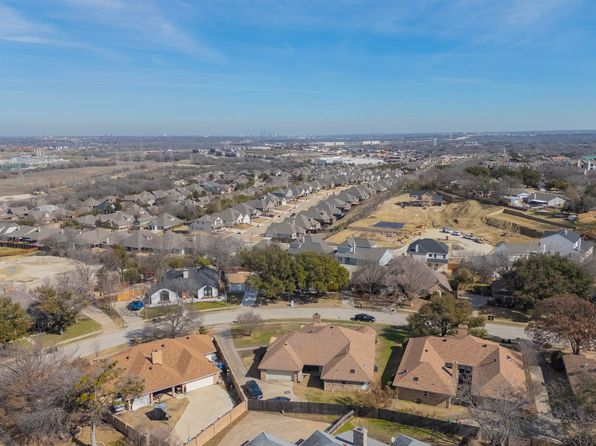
x: 33, y: 271
x: 467, y: 216
x: 6, y: 251
x: 64, y: 177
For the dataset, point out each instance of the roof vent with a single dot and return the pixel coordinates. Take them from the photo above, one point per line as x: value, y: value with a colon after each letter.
x: 444, y: 339
x: 484, y: 345
x: 352, y: 371
x: 127, y: 357
x: 416, y: 379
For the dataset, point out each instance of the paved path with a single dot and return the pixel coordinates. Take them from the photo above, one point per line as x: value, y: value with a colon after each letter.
x: 226, y: 343
x: 119, y: 337
x: 106, y: 322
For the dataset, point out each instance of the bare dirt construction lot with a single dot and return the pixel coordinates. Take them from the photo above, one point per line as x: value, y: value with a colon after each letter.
x: 467, y: 216
x: 30, y: 272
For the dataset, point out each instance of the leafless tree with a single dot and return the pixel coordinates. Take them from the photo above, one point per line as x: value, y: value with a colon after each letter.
x: 248, y: 322
x: 369, y: 279
x: 407, y: 279
x: 486, y: 266
x: 178, y: 320
x: 35, y: 386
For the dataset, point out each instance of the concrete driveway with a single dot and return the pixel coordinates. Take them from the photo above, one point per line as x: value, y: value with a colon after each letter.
x: 284, y: 427
x: 205, y: 406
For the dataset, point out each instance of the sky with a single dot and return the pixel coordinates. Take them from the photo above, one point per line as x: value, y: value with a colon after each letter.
x: 299, y: 67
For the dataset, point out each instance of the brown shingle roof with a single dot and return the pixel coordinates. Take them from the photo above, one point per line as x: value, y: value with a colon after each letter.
x: 496, y: 370
x: 183, y: 360
x: 343, y: 353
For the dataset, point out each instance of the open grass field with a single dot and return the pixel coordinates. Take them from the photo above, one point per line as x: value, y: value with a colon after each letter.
x: 83, y: 327
x: 150, y: 313
x: 467, y: 216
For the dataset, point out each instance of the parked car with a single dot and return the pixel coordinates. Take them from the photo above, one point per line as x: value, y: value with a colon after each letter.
x: 364, y: 317
x: 136, y: 305
x: 280, y: 398
x: 253, y: 390
x: 456, y: 233
x: 447, y: 230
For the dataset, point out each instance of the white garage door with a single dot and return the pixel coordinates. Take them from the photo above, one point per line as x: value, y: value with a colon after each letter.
x: 279, y: 376
x: 200, y: 383
x: 139, y: 402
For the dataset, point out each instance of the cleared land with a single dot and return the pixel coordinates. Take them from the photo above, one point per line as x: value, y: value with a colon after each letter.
x: 56, y: 178
x: 33, y: 271
x: 467, y: 216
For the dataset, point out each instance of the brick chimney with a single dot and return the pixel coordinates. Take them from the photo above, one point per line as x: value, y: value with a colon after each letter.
x: 462, y: 331
x: 156, y: 357
x: 360, y: 436
x: 316, y: 320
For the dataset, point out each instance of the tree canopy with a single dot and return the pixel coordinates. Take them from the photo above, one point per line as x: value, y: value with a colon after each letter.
x: 58, y: 309
x: 441, y: 317
x: 565, y: 319
x: 277, y: 272
x: 541, y: 276
x: 14, y: 320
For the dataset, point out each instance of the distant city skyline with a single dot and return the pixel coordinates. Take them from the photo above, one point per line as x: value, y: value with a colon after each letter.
x: 232, y: 67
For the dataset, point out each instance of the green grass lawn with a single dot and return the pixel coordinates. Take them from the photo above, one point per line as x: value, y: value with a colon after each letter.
x: 262, y: 334
x: 82, y: 327
x: 150, y: 313
x: 384, y: 430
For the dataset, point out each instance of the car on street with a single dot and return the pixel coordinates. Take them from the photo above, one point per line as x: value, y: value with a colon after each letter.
x: 447, y: 230
x: 363, y: 317
x: 456, y: 233
x: 253, y: 390
x: 135, y: 305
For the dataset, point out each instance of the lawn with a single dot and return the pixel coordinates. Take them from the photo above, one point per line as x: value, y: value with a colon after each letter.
x: 6, y: 251
x: 83, y: 327
x: 262, y: 334
x: 150, y: 313
x: 384, y: 430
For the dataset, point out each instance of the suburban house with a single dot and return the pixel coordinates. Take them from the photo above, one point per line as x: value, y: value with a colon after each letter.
x: 359, y: 251
x: 232, y: 217
x: 432, y: 252
x: 171, y: 366
x: 587, y: 163
x: 189, y: 284
x: 343, y: 358
x: 163, y: 222
x: 543, y: 199
x: 310, y: 243
x: 357, y: 436
x: 425, y: 199
x: 566, y: 243
x: 207, y: 223
x: 436, y: 370
x: 286, y: 231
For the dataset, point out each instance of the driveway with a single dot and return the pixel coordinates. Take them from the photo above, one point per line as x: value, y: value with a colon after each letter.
x: 284, y: 427
x: 205, y: 406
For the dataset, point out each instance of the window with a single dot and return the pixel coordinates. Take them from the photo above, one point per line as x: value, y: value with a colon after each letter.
x: 164, y: 296
x: 352, y: 371
x: 425, y: 394
x: 448, y: 365
x: 208, y: 291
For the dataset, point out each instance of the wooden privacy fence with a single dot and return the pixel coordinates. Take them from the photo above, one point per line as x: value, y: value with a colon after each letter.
x: 443, y: 426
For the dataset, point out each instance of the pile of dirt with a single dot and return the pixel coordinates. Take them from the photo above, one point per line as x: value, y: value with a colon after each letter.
x: 468, y: 212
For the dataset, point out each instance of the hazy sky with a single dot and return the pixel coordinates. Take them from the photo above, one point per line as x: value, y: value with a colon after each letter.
x: 194, y: 67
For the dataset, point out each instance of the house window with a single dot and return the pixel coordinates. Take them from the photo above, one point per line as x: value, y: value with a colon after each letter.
x: 164, y: 296
x: 208, y: 291
x: 425, y: 394
x: 448, y: 365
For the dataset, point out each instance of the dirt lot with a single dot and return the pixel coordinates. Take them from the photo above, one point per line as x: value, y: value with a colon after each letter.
x: 467, y: 216
x: 30, y: 272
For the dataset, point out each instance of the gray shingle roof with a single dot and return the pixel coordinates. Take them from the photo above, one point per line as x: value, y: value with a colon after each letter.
x: 428, y: 245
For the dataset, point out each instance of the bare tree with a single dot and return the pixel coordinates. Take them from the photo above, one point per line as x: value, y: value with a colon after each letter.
x: 408, y: 279
x: 178, y: 320
x: 248, y: 322
x: 369, y: 279
x: 33, y: 396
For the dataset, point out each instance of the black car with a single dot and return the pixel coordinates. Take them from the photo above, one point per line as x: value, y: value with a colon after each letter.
x: 253, y: 390
x: 364, y: 317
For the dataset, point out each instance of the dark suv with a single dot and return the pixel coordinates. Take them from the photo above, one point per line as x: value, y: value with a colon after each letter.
x: 253, y: 390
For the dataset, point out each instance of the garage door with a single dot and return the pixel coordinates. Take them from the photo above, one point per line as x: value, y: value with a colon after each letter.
x: 200, y: 383
x: 279, y: 376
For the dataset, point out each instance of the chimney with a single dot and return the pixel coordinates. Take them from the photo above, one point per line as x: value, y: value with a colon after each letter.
x: 316, y: 320
x: 360, y: 436
x: 156, y: 357
x: 185, y: 273
x: 462, y: 331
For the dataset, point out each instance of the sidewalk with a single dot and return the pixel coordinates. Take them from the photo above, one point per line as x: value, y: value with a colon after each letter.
x: 107, y: 324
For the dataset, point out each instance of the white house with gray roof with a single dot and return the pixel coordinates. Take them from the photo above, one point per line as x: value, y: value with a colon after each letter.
x: 358, y: 251
x: 188, y: 284
x: 434, y: 253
